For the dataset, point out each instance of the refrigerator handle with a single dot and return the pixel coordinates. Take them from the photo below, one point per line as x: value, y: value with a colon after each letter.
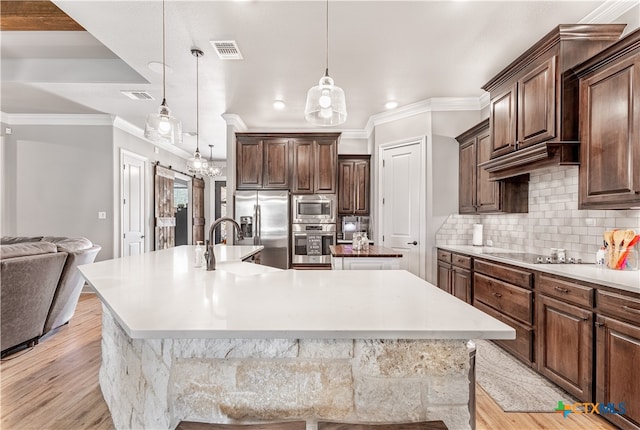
x: 256, y: 217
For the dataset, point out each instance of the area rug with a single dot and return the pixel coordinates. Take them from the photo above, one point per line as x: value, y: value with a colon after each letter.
x: 514, y: 386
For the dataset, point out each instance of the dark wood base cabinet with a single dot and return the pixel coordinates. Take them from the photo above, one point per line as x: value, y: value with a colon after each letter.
x: 454, y: 275
x: 582, y: 336
x: 565, y: 346
x: 506, y: 293
x: 618, y: 370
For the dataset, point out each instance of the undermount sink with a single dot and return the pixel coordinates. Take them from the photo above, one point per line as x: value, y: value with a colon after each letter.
x: 239, y: 268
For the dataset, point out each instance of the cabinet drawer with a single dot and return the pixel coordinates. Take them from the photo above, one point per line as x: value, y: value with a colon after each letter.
x: 522, y: 345
x: 513, y: 301
x: 624, y: 307
x: 444, y: 256
x: 461, y: 261
x: 565, y: 290
x: 517, y: 277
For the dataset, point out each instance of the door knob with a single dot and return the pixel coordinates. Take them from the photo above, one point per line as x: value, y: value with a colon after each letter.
x: 415, y: 242
x: 142, y: 237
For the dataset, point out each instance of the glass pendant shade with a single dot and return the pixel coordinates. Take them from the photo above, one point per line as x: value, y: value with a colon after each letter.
x: 212, y: 170
x: 326, y: 104
x: 197, y: 165
x: 162, y: 127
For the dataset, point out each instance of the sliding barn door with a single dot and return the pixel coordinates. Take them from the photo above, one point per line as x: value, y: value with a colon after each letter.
x: 197, y: 187
x: 165, y: 220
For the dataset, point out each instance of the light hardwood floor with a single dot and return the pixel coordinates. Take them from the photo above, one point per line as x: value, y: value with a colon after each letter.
x: 55, y: 386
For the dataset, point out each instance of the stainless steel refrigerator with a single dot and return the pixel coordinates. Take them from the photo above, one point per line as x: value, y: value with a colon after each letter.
x: 264, y: 219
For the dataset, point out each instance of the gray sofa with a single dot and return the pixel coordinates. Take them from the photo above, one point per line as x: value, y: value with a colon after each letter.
x: 40, y: 285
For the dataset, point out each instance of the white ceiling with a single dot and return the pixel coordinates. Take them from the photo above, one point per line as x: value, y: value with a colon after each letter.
x: 379, y: 51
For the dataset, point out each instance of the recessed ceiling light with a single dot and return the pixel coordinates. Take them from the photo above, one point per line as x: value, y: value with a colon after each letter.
x: 391, y: 105
x: 156, y: 66
x: 279, y: 105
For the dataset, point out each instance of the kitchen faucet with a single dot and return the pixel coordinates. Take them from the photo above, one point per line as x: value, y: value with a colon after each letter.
x: 209, y: 255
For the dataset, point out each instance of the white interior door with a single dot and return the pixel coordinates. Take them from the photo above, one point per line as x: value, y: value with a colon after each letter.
x: 401, y: 180
x: 133, y: 207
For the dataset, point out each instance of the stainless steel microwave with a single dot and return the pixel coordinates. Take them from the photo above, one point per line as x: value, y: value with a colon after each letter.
x: 314, y: 208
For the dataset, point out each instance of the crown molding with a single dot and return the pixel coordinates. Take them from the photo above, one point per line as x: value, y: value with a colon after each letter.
x: 609, y: 11
x: 484, y: 100
x: 136, y: 131
x: 235, y: 120
x: 436, y: 104
x: 56, y: 119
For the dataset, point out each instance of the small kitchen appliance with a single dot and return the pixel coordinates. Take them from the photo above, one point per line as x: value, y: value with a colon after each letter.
x: 354, y: 224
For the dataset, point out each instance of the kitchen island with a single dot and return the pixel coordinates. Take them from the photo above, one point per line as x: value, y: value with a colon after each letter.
x: 344, y: 257
x: 247, y: 343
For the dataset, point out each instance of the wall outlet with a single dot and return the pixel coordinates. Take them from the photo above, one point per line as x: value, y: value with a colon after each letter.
x: 102, y: 215
x: 489, y: 242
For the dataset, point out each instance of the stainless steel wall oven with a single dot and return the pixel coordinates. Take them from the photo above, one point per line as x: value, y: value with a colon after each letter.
x: 310, y: 243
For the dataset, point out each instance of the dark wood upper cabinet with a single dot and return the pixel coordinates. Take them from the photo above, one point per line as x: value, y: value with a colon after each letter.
x: 300, y: 162
x: 536, y: 108
x: 478, y: 194
x: 610, y: 127
x: 303, y: 165
x: 315, y: 164
x: 467, y: 193
x: 325, y: 165
x: 530, y: 102
x: 249, y: 155
x: 353, y: 185
x: 276, y: 163
x: 502, y: 116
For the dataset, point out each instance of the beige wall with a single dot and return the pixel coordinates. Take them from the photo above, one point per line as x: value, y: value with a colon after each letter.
x: 441, y: 160
x: 57, y: 178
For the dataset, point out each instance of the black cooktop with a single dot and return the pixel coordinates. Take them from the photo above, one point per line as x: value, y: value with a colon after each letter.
x: 532, y: 258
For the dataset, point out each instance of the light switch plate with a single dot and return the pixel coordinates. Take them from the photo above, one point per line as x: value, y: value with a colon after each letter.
x: 102, y: 215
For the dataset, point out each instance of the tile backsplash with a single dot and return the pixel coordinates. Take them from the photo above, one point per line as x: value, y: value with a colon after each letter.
x: 553, y: 220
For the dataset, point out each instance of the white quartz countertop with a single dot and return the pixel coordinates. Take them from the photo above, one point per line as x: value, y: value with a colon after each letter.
x: 233, y: 252
x: 162, y: 295
x: 619, y: 279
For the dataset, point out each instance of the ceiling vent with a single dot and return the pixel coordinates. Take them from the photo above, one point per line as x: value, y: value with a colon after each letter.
x: 137, y: 95
x: 227, y: 49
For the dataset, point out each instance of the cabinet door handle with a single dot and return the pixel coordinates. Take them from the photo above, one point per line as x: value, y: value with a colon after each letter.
x: 630, y: 309
x: 498, y: 295
x: 415, y: 242
x: 599, y: 324
x: 562, y: 290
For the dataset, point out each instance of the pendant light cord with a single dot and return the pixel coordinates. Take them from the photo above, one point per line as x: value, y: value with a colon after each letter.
x: 198, y: 102
x: 326, y: 72
x: 164, y: 70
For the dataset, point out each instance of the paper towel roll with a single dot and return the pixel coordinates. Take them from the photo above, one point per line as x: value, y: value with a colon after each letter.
x: 477, y: 234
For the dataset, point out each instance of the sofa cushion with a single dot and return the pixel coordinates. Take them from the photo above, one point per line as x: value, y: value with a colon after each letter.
x: 26, y: 248
x: 69, y: 244
x: 28, y: 286
x: 8, y: 240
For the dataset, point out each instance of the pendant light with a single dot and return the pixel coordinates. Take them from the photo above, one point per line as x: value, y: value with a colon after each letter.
x: 197, y: 165
x: 326, y: 103
x: 161, y: 126
x: 212, y: 170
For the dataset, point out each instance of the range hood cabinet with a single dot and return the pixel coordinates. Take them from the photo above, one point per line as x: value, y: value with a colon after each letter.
x: 534, y: 109
x: 532, y: 158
